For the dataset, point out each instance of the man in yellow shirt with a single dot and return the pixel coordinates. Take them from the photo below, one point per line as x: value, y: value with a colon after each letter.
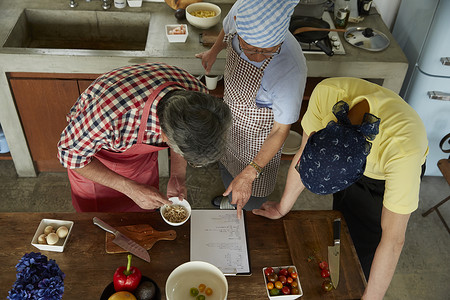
x: 366, y: 146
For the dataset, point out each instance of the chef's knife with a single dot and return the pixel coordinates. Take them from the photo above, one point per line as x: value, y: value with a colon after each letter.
x: 334, y: 253
x: 123, y: 241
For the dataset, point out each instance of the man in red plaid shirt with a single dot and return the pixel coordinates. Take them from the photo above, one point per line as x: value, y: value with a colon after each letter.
x: 118, y: 124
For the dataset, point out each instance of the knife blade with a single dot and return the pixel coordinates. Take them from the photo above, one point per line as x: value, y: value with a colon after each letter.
x: 334, y: 253
x: 123, y: 241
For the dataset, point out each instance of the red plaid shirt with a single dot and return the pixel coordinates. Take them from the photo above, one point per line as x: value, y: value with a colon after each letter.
x: 108, y: 114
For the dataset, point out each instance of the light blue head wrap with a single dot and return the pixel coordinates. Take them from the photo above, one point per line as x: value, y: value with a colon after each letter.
x: 264, y: 23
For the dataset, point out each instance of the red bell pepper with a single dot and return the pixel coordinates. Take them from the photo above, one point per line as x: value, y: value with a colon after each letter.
x: 127, y: 278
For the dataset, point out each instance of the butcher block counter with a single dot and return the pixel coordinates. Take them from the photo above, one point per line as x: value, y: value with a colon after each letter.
x: 89, y: 269
x: 387, y: 67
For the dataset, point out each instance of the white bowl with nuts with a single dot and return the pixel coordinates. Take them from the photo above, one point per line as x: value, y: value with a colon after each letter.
x: 52, y: 235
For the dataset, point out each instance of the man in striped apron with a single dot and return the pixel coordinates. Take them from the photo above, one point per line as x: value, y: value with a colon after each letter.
x: 265, y: 76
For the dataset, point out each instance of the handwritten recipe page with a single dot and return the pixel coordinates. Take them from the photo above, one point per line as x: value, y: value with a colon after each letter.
x: 219, y: 237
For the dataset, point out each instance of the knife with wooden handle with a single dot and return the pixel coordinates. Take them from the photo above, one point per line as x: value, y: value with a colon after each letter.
x: 123, y: 241
x: 334, y: 253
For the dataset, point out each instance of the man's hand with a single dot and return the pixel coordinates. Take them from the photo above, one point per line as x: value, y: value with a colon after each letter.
x: 269, y: 209
x: 146, y: 196
x: 208, y: 59
x: 241, y: 186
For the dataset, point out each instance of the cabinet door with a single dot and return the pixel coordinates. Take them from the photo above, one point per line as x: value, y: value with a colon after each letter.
x: 83, y: 84
x: 43, y: 105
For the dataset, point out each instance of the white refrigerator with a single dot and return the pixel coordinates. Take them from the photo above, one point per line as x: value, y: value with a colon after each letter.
x: 422, y: 29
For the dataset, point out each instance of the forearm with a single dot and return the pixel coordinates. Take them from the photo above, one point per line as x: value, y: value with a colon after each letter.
x: 219, y: 44
x: 270, y: 147
x: 382, y: 270
x: 293, y: 187
x: 386, y: 257
x: 177, y: 165
x: 99, y: 173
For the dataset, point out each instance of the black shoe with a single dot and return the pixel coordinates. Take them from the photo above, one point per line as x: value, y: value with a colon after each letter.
x: 216, y: 201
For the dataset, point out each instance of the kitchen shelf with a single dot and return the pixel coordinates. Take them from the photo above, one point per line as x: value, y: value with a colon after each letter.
x: 5, y: 156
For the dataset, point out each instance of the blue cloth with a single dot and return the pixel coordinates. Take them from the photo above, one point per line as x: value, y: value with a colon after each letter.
x: 264, y: 23
x: 335, y: 157
x: 284, y: 78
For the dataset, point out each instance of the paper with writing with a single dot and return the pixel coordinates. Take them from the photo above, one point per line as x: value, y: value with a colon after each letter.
x: 219, y: 237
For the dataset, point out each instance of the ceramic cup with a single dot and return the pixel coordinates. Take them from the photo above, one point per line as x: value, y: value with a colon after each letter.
x: 120, y: 3
x: 211, y: 81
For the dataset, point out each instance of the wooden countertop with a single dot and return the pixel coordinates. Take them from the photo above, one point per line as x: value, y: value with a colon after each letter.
x: 89, y: 269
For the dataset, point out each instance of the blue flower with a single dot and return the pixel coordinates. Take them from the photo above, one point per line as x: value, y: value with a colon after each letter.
x: 37, y: 278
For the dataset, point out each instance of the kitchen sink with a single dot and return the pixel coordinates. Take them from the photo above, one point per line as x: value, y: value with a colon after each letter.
x: 69, y: 29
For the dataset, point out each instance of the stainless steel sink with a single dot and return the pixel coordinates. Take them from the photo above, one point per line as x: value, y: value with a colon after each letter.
x: 70, y: 29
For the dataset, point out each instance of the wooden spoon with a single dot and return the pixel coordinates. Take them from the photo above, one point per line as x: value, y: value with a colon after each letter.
x: 305, y: 29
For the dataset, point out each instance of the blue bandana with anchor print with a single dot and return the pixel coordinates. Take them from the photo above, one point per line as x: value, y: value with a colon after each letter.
x: 335, y: 157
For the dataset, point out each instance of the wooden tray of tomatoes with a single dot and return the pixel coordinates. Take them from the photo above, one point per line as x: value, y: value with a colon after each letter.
x: 308, y: 238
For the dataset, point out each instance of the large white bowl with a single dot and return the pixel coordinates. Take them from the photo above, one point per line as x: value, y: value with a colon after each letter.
x: 203, y: 23
x: 176, y: 201
x: 192, y: 274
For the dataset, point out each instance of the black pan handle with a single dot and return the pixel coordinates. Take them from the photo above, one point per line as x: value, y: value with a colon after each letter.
x: 324, y: 48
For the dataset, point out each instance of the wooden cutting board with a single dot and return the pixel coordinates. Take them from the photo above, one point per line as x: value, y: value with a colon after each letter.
x: 208, y: 38
x: 308, y: 239
x: 143, y: 234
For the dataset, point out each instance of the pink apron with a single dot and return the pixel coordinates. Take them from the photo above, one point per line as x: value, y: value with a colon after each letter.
x: 139, y: 163
x: 251, y: 124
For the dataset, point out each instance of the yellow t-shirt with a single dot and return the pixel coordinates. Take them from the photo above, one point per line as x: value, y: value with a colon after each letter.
x: 400, y: 148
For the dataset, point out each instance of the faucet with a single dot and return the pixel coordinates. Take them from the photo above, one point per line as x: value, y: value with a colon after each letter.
x: 73, y: 4
x: 106, y: 4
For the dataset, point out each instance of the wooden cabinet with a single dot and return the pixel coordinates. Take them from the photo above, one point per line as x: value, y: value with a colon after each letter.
x: 43, y: 101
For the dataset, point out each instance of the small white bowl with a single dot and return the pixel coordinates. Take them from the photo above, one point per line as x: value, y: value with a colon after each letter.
x: 59, y: 246
x: 282, y: 296
x: 192, y: 274
x: 176, y: 201
x: 176, y: 38
x: 203, y: 23
x: 134, y: 3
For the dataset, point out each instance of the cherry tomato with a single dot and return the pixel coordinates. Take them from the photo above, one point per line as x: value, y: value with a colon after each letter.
x: 200, y: 297
x: 272, y: 277
x: 268, y: 271
x: 282, y: 279
x: 294, y: 275
x: 327, y: 286
x: 208, y: 291
x: 294, y: 284
x: 278, y: 285
x: 325, y: 273
x: 270, y: 285
x: 274, y: 292
x: 193, y: 291
x: 295, y: 291
x: 323, y: 264
x: 289, y: 280
x: 201, y: 287
x: 286, y: 290
x: 291, y: 270
x: 283, y: 272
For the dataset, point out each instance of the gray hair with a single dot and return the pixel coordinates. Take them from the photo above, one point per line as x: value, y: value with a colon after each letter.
x: 196, y: 125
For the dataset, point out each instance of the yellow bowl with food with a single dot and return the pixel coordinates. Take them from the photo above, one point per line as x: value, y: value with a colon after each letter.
x: 203, y: 15
x: 176, y: 214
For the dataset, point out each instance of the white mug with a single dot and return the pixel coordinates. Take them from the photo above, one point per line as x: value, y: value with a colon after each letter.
x: 211, y: 81
x: 120, y: 3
